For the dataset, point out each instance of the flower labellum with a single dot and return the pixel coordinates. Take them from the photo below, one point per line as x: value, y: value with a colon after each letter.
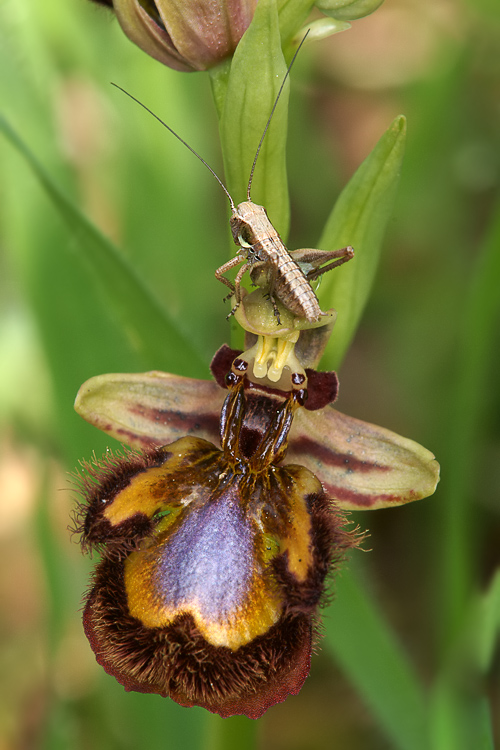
x: 214, y: 561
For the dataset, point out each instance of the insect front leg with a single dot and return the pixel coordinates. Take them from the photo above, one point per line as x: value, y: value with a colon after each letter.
x: 237, y: 282
x: 219, y: 274
x: 236, y: 287
x: 311, y: 260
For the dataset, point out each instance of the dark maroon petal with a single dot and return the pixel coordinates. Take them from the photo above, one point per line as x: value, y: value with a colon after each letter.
x: 214, y: 560
x: 221, y: 363
x: 322, y: 387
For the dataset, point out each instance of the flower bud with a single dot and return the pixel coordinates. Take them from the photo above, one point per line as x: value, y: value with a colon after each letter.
x: 187, y: 36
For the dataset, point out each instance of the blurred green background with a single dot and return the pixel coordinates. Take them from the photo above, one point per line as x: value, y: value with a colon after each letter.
x: 424, y: 362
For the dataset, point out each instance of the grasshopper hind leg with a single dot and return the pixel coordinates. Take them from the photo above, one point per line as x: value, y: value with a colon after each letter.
x: 311, y: 260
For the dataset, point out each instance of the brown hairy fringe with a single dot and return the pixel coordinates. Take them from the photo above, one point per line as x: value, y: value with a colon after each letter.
x: 177, y: 661
x: 98, y: 483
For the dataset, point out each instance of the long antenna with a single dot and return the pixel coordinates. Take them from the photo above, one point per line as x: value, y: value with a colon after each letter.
x: 233, y: 207
x: 271, y: 115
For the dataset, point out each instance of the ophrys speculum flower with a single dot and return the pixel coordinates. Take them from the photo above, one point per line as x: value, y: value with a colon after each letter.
x: 214, y: 562
x: 215, y: 559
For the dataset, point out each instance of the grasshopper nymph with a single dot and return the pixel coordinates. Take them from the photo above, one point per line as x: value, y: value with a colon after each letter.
x: 272, y: 266
x: 284, y: 275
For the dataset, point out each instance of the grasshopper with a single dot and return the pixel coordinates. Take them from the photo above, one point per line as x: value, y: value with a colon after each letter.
x: 285, y: 275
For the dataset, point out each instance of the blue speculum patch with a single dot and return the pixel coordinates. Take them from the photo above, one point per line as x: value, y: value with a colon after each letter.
x: 208, y: 560
x: 210, y: 563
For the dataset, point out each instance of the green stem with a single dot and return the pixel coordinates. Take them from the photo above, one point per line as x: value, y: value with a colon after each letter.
x: 244, y: 93
x: 219, y: 78
x: 229, y: 734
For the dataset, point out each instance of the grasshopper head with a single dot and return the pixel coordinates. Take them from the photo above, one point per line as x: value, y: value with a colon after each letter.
x: 249, y: 224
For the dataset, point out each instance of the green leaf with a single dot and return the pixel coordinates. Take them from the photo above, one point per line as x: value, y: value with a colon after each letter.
x: 461, y: 721
x: 366, y: 648
x: 348, y: 10
x: 293, y: 14
x: 478, y: 324
x: 461, y: 716
x: 322, y: 28
x: 359, y: 219
x: 257, y: 72
x: 488, y: 634
x: 148, y: 329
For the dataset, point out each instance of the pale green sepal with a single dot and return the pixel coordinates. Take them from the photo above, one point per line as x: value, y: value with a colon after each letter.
x: 142, y: 319
x: 359, y: 219
x: 361, y: 465
x: 348, y: 10
x: 322, y: 28
x: 257, y: 72
x: 151, y: 408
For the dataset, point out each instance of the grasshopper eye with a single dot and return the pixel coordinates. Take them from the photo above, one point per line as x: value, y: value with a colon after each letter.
x: 245, y: 236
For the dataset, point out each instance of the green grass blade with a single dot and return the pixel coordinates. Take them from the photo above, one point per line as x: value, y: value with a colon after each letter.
x: 359, y: 219
x: 460, y: 722
x: 461, y: 715
x: 146, y: 324
x: 460, y: 712
x: 367, y: 650
x: 489, y: 625
x: 479, y: 326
